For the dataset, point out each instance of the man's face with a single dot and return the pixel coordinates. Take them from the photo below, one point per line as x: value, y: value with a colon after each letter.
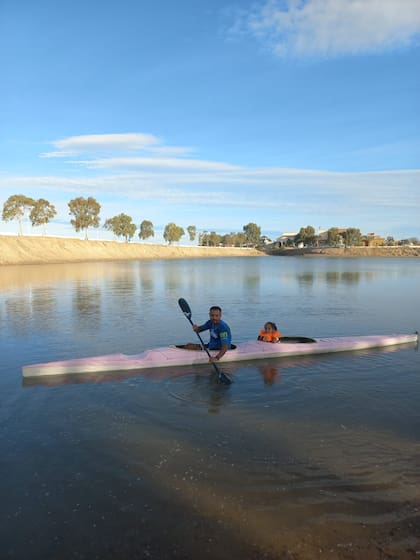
x: 215, y: 316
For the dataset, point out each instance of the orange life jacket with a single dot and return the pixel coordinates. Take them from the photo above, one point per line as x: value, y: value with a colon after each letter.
x: 269, y: 336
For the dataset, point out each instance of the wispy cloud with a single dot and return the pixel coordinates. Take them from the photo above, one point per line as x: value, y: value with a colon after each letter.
x: 109, y: 143
x: 160, y: 163
x: 330, y: 28
x: 175, y: 185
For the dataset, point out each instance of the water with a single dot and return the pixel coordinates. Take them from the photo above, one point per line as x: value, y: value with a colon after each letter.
x: 314, y: 457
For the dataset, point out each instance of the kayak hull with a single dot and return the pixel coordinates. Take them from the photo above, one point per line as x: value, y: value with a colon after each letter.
x: 171, y: 356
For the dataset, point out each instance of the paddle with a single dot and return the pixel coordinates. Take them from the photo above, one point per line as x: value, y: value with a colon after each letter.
x: 185, y: 308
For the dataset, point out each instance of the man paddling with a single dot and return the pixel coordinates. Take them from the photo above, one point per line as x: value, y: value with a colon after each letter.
x: 220, y: 335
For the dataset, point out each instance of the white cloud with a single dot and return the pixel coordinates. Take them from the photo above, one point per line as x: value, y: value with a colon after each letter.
x: 160, y: 163
x: 105, y: 143
x: 333, y: 27
x: 180, y: 186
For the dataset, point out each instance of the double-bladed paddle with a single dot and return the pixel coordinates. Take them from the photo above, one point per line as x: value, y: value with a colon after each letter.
x: 185, y: 308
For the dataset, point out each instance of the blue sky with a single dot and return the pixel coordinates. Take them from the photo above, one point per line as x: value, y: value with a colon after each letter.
x: 215, y: 114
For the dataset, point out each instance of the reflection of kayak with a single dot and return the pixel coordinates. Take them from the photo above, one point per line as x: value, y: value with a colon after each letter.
x: 171, y: 356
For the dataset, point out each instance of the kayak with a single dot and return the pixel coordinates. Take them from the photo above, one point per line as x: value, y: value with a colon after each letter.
x: 171, y: 356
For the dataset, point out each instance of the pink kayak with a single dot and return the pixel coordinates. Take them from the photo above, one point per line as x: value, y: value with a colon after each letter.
x: 171, y: 356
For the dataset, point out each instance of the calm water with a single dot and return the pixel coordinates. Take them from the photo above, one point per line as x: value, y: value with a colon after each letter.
x: 298, y: 458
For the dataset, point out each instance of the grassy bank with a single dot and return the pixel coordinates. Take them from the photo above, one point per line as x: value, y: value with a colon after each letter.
x: 47, y: 250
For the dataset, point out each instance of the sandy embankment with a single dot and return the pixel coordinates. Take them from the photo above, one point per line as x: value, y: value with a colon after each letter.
x: 47, y: 250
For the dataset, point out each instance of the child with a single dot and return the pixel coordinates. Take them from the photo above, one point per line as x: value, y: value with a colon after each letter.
x: 269, y: 333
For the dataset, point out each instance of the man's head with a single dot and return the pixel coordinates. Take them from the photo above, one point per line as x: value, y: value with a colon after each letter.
x: 215, y: 314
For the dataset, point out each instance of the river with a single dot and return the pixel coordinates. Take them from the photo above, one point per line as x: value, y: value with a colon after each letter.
x: 301, y: 458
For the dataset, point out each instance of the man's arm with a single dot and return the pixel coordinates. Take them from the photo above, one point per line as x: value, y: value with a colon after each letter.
x: 220, y: 353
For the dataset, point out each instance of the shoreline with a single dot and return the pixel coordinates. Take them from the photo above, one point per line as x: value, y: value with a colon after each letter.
x: 25, y: 249
x: 404, y: 251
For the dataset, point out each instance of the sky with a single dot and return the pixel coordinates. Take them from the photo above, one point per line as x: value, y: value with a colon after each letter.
x: 283, y: 113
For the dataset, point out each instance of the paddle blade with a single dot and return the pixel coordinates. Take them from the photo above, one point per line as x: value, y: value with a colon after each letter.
x: 185, y: 308
x: 223, y: 378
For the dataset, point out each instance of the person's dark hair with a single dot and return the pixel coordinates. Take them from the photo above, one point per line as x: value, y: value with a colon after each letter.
x: 273, y: 325
x: 215, y: 308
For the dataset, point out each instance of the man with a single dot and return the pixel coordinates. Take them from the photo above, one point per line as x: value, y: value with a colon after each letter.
x: 220, y: 335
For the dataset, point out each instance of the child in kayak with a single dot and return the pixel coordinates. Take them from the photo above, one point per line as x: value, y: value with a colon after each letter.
x: 269, y: 333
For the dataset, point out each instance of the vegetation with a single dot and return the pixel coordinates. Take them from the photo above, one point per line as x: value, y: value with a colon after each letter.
x: 353, y: 237
x: 252, y: 234
x: 85, y: 212
x: 192, y: 232
x: 173, y: 233
x: 121, y: 226
x: 146, y: 229
x: 42, y: 212
x: 333, y: 237
x: 15, y: 207
x: 306, y: 236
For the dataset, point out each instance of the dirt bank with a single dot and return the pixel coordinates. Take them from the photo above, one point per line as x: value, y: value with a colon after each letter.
x: 403, y: 251
x: 46, y: 250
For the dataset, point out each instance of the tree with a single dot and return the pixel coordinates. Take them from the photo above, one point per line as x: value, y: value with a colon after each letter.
x: 390, y: 241
x: 306, y: 236
x: 146, y: 229
x: 42, y: 212
x: 203, y: 238
x: 333, y: 236
x: 173, y: 233
x: 86, y: 213
x: 353, y: 237
x: 252, y: 233
x: 213, y: 239
x: 192, y: 232
x: 15, y: 207
x: 121, y: 226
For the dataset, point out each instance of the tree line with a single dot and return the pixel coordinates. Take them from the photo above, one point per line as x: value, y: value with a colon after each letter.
x: 85, y: 214
x: 351, y: 237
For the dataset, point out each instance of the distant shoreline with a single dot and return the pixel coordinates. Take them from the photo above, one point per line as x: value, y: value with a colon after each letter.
x: 403, y: 251
x: 24, y: 249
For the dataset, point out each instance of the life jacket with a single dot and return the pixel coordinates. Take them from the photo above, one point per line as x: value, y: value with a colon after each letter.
x: 268, y: 336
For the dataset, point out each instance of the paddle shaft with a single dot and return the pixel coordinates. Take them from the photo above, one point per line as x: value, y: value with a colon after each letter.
x: 219, y: 373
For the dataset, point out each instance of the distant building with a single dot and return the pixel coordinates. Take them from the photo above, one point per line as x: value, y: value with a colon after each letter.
x: 372, y: 240
x: 286, y: 239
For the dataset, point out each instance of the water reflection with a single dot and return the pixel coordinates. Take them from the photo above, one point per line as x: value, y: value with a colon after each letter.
x: 87, y: 305
x: 324, y: 447
x: 270, y: 374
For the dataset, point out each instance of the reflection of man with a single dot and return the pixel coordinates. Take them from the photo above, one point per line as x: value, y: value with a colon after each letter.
x: 220, y: 335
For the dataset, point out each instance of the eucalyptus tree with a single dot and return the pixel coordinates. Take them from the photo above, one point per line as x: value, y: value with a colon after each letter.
x: 333, y: 236
x: 85, y: 212
x: 192, y: 232
x: 306, y: 236
x: 252, y: 233
x: 211, y: 239
x: 173, y: 233
x: 146, y: 229
x: 353, y: 237
x: 42, y: 212
x: 15, y: 208
x: 121, y: 226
